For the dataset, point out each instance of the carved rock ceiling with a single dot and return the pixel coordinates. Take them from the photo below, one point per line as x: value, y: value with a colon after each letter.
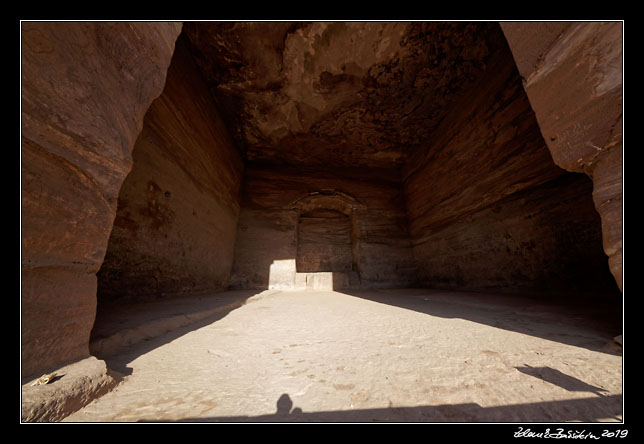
x: 338, y: 94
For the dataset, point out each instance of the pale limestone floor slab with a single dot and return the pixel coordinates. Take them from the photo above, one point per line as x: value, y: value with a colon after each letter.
x: 389, y: 355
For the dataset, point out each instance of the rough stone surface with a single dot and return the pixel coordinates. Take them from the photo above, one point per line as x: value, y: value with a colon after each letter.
x: 529, y: 41
x: 74, y: 386
x: 575, y: 90
x: 85, y: 89
x: 351, y: 94
x: 371, y: 356
x: 545, y: 240
x: 175, y: 226
x: 122, y: 325
x: 274, y: 200
x: 607, y: 195
x: 324, y: 242
x: 446, y: 154
x: 512, y: 220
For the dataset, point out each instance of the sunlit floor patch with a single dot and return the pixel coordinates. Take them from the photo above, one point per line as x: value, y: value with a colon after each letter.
x: 327, y: 356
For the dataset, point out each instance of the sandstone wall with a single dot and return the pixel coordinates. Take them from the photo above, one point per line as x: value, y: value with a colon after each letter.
x: 85, y: 90
x: 175, y: 227
x: 324, y: 242
x: 489, y: 210
x: 267, y: 239
x: 572, y: 73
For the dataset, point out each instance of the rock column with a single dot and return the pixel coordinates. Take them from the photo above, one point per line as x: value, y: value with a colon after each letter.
x: 572, y: 74
x: 85, y: 90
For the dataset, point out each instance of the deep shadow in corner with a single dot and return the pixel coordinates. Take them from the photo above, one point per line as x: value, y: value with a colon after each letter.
x: 126, y: 332
x: 585, y: 410
x: 590, y: 326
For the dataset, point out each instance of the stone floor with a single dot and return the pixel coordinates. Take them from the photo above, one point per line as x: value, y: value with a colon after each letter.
x: 374, y: 356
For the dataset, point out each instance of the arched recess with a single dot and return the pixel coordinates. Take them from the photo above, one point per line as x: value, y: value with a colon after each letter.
x: 328, y: 237
x: 324, y: 242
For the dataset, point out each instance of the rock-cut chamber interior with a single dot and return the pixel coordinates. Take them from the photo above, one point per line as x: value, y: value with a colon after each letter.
x: 388, y: 154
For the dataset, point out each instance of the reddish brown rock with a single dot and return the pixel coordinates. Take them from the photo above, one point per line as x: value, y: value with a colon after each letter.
x: 324, y: 242
x: 85, y: 89
x: 487, y: 148
x: 276, y: 227
x: 71, y: 388
x: 573, y: 77
x: 607, y: 195
x: 372, y: 155
x: 349, y: 94
x: 489, y: 210
x: 176, y: 222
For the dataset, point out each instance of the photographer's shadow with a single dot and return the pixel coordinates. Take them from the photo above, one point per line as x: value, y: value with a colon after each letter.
x: 285, y: 407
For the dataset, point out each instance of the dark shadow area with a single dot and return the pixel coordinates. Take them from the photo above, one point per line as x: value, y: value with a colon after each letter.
x: 585, y: 410
x: 560, y: 379
x: 324, y: 242
x: 122, y: 333
x: 589, y: 325
x: 56, y: 378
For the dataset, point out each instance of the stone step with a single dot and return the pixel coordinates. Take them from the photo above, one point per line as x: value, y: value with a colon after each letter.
x: 329, y: 280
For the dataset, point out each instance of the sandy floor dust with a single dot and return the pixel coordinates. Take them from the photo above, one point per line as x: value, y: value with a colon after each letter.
x: 388, y: 355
